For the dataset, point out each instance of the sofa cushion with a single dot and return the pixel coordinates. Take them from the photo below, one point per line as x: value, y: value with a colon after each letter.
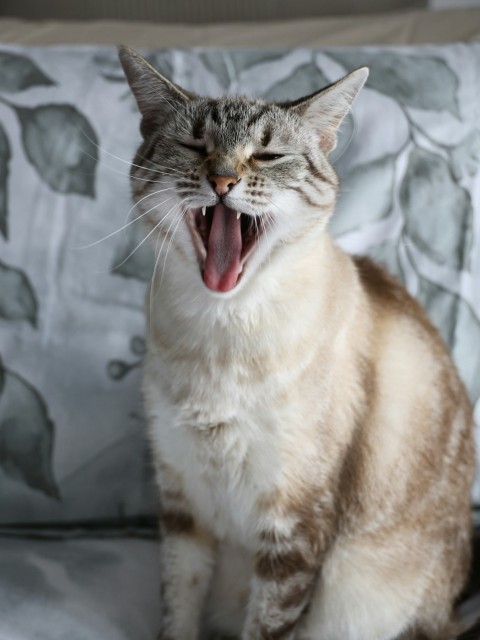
x: 72, y: 281
x: 79, y: 589
x: 96, y: 588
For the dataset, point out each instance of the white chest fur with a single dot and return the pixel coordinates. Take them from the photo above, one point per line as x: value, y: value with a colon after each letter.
x: 227, y: 442
x: 233, y: 399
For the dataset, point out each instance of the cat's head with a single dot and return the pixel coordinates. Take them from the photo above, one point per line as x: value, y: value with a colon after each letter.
x: 231, y: 182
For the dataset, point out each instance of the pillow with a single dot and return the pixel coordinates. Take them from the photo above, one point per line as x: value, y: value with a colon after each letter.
x: 74, y: 264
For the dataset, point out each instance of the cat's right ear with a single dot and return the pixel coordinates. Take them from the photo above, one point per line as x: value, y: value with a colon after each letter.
x: 156, y: 96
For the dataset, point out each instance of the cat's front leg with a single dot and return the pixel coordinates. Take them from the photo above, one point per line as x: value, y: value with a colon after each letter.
x: 287, y: 563
x: 186, y: 558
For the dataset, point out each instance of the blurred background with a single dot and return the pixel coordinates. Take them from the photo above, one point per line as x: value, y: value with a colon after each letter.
x: 210, y: 11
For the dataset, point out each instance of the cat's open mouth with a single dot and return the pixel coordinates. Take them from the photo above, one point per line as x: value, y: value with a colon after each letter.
x: 223, y: 239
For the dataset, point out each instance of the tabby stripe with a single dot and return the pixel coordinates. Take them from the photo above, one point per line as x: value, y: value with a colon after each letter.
x: 149, y: 151
x: 186, y: 194
x: 306, y: 198
x: 316, y: 171
x: 314, y: 184
x: 256, y: 116
x: 144, y: 185
x: 279, y: 566
x: 178, y: 522
x: 277, y: 633
x: 215, y: 115
x: 295, y: 597
x: 267, y: 136
x: 187, y: 184
x: 198, y: 129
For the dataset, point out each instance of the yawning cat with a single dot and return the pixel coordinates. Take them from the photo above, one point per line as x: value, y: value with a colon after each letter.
x: 312, y: 438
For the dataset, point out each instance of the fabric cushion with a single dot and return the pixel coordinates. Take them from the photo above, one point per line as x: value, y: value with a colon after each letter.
x: 79, y: 589
x: 72, y: 439
x: 94, y: 588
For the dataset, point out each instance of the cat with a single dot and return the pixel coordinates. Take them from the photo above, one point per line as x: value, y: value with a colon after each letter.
x: 312, y: 438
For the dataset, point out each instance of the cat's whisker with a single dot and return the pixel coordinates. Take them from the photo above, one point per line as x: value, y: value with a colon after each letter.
x: 273, y: 224
x: 149, y: 195
x: 172, y: 209
x: 180, y: 218
x: 264, y: 231
x: 152, y: 283
x: 180, y: 204
x: 123, y: 173
x: 352, y: 133
x: 164, y: 171
x: 174, y: 108
x: 142, y: 241
x: 93, y: 244
x: 127, y: 162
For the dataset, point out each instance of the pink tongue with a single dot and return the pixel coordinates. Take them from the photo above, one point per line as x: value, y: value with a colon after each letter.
x: 222, y: 265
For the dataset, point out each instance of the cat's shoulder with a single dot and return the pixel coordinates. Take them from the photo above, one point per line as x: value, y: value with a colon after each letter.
x: 390, y: 298
x: 383, y: 287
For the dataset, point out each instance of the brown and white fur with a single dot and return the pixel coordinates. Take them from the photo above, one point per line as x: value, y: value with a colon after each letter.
x: 311, y: 435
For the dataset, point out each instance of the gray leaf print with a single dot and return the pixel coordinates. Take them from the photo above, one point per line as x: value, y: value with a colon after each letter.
x: 437, y: 210
x: 466, y: 350
x: 61, y: 145
x: 414, y: 81
x: 465, y: 156
x: 27, y: 581
x: 111, y: 69
x: 17, y: 298
x: 131, y: 262
x: 460, y: 329
x: 137, y: 345
x: 366, y: 195
x: 441, y: 306
x: 304, y: 80
x: 18, y: 72
x: 161, y: 60
x: 4, y: 162
x: 26, y: 435
x: 215, y: 62
x: 118, y: 369
x: 247, y: 58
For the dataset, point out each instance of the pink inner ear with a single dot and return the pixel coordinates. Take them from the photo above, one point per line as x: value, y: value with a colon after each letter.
x: 328, y: 141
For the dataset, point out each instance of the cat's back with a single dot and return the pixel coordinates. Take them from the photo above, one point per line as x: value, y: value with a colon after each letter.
x: 420, y: 418
x: 404, y: 343
x: 390, y: 301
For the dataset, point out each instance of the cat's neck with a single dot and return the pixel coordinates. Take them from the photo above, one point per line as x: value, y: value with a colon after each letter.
x: 314, y: 282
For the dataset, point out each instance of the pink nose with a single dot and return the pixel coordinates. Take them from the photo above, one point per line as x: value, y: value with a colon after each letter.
x: 222, y: 184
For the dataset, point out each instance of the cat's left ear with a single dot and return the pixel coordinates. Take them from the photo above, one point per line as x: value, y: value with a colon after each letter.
x: 325, y: 110
x: 156, y: 96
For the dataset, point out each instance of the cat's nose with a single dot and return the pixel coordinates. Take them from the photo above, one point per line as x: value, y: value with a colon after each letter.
x: 222, y: 184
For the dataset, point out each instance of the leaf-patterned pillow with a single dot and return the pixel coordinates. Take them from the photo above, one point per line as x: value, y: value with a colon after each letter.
x: 72, y: 444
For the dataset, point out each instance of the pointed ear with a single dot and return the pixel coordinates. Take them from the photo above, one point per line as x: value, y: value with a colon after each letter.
x: 326, y: 109
x: 156, y: 96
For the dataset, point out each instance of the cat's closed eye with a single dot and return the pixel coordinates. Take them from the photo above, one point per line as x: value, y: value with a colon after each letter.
x: 267, y: 157
x: 197, y: 148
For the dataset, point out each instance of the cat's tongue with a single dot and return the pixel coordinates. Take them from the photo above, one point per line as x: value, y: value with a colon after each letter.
x: 222, y: 265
